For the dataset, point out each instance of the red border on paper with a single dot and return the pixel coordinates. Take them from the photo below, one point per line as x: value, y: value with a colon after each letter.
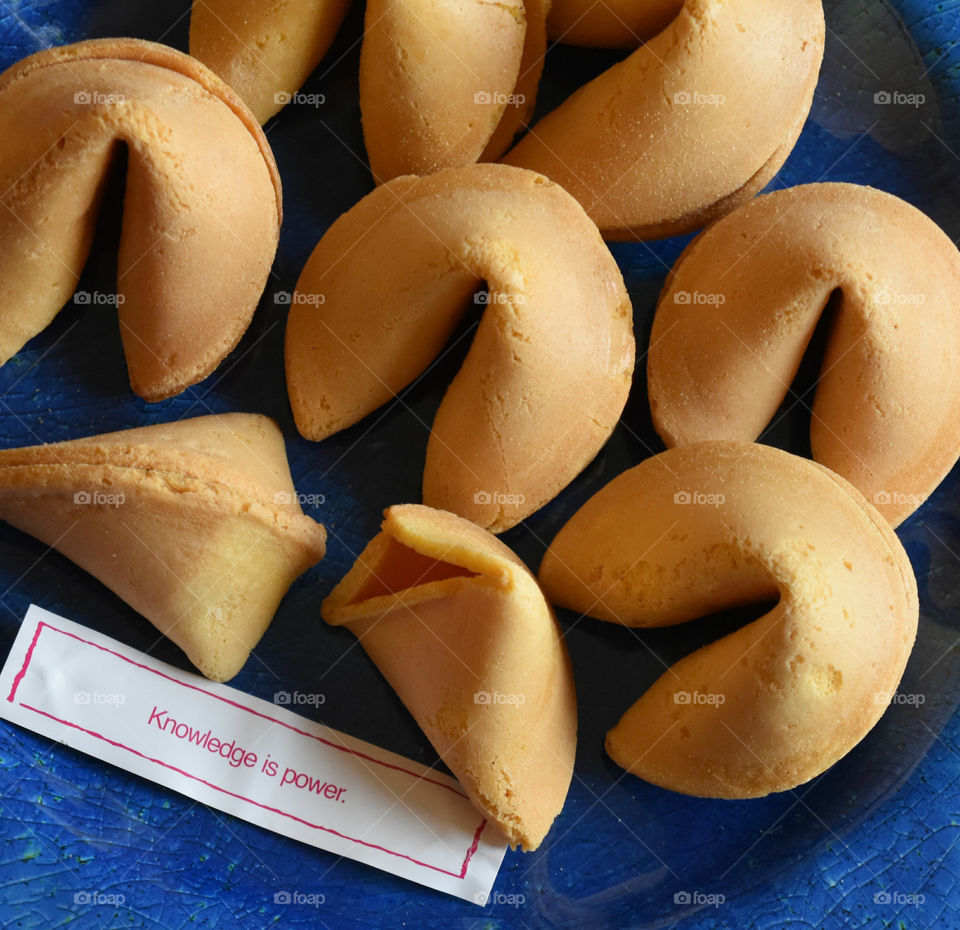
x: 29, y: 656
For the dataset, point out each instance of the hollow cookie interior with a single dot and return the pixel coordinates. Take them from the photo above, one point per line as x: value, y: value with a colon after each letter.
x: 399, y: 569
x: 460, y: 629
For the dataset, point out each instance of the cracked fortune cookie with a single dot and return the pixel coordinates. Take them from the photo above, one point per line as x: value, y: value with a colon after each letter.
x: 461, y: 631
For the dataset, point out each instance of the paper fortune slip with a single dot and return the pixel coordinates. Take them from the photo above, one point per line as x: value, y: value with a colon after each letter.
x: 247, y: 757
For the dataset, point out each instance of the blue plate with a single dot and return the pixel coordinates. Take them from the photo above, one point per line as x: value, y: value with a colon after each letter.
x: 869, y: 843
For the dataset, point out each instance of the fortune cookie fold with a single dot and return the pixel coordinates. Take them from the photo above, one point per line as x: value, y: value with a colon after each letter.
x: 717, y: 524
x: 691, y: 124
x: 441, y: 85
x: 458, y: 626
x: 741, y: 306
x: 550, y: 365
x: 195, y: 524
x: 201, y: 209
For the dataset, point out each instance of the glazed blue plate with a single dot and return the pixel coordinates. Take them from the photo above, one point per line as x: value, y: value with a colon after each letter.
x: 869, y: 843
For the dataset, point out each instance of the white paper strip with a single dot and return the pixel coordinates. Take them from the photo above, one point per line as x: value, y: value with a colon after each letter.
x: 247, y: 757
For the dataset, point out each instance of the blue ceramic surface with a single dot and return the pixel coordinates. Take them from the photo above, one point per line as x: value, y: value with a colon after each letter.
x: 870, y: 843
